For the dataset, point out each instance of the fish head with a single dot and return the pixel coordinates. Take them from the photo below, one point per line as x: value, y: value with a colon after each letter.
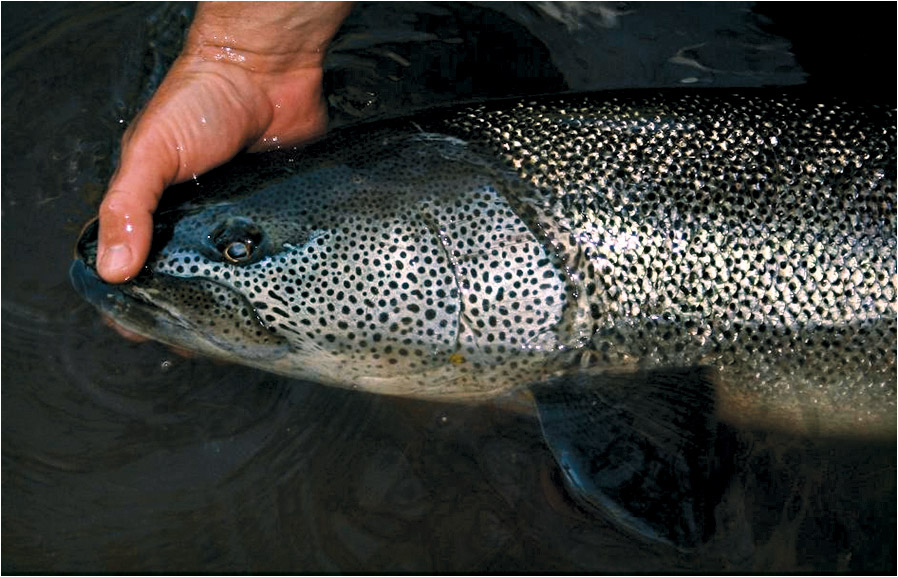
x: 190, y: 312
x: 399, y: 266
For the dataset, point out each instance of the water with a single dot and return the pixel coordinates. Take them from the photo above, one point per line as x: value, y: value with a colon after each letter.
x: 123, y: 457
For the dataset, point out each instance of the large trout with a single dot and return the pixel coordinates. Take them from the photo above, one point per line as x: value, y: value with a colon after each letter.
x: 746, y: 239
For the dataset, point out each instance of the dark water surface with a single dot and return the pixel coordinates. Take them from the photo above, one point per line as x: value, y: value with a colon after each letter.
x: 122, y: 457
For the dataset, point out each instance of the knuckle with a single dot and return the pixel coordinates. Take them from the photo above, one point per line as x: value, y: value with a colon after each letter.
x: 115, y: 203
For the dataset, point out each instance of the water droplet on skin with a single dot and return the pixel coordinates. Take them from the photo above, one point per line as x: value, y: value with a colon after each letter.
x: 202, y: 120
x: 271, y: 142
x: 229, y: 54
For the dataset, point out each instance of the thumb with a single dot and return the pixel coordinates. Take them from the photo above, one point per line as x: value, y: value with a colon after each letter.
x: 126, y: 231
x: 126, y: 217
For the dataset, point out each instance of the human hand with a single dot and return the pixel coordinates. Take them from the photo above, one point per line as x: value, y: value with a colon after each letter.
x: 249, y: 77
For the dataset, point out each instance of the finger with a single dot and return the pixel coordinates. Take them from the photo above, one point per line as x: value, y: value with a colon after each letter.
x: 126, y: 216
x: 126, y: 230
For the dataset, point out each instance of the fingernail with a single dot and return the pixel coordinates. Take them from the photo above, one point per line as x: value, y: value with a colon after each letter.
x: 115, y: 258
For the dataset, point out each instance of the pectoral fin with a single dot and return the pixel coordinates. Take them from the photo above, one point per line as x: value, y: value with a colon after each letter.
x: 638, y: 446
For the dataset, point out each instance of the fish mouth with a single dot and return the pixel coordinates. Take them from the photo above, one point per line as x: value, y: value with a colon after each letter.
x: 111, y: 299
x: 126, y: 308
x: 146, y: 305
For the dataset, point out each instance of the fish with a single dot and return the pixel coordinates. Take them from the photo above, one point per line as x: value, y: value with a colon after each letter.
x: 644, y: 264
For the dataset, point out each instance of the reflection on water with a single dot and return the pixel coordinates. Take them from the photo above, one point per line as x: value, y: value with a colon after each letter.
x: 120, y: 457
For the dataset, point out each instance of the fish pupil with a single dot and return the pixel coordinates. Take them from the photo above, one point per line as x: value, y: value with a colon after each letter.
x: 238, y: 251
x: 237, y: 240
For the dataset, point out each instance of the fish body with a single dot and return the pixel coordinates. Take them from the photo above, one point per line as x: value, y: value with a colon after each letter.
x: 468, y: 251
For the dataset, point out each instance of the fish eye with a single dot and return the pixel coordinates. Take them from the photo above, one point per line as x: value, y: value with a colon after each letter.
x: 237, y: 240
x: 238, y: 251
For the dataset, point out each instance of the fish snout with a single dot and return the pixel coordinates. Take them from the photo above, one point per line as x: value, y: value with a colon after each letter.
x: 86, y: 247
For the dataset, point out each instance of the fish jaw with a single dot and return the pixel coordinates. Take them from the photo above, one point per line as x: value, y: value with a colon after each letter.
x: 142, y: 310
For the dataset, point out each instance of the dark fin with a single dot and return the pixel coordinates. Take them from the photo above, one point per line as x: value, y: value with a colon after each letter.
x: 638, y: 446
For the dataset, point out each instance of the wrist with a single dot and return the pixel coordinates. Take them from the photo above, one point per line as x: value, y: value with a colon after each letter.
x: 265, y: 37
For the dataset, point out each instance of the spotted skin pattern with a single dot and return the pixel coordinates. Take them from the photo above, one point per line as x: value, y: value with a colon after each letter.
x: 468, y: 251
